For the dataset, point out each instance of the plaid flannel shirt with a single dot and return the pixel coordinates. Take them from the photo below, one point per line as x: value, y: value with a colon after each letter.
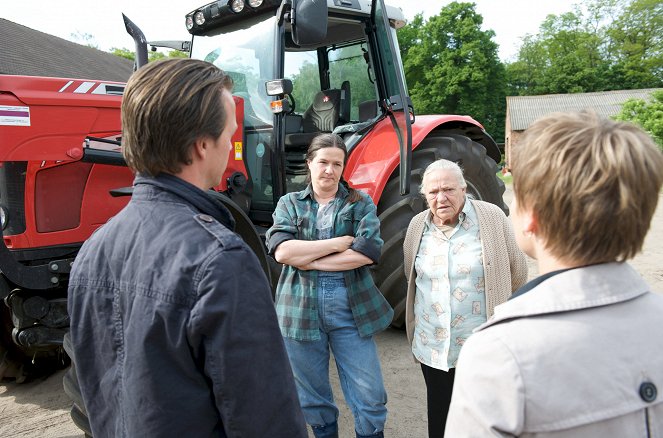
x: 296, y: 294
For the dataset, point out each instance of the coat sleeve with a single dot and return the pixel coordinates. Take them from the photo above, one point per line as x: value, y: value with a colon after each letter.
x: 488, y: 395
x: 408, y: 255
x: 234, y: 334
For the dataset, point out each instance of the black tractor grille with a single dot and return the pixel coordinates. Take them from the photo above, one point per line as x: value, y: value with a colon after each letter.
x: 12, y: 195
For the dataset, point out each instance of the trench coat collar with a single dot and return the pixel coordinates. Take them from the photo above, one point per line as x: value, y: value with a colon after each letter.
x: 575, y: 289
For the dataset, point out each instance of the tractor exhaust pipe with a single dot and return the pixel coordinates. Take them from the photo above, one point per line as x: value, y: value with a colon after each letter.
x: 139, y: 39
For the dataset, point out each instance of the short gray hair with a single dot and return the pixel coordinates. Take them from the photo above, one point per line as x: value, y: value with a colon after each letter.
x: 443, y: 164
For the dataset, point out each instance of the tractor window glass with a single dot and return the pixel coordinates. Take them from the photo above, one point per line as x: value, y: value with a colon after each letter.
x: 302, y: 69
x: 350, y: 64
x: 247, y: 55
x: 391, y: 61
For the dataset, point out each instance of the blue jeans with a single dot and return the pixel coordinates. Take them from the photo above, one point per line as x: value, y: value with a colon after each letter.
x: 357, y: 362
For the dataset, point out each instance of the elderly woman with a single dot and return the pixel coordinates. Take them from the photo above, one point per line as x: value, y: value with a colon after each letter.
x: 576, y: 352
x: 327, y: 236
x: 461, y: 260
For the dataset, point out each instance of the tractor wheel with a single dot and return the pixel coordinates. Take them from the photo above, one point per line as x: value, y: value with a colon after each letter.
x: 73, y: 390
x: 12, y: 360
x: 396, y: 211
x: 24, y: 364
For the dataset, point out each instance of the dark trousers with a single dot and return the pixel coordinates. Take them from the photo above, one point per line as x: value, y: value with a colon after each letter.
x: 438, y: 395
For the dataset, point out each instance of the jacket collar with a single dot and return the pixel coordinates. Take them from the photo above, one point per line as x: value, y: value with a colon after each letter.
x: 575, y: 289
x: 188, y: 193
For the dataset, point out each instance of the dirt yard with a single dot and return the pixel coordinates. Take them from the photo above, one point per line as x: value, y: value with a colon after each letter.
x: 41, y: 409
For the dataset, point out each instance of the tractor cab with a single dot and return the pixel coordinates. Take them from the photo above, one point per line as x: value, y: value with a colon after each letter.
x: 302, y: 68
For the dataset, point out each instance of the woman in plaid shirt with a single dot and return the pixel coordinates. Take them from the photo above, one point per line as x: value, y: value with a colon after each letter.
x: 326, y: 237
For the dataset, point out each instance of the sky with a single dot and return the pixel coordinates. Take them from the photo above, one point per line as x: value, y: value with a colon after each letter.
x: 164, y: 20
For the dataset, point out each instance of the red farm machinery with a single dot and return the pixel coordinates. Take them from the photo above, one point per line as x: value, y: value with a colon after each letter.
x: 300, y: 67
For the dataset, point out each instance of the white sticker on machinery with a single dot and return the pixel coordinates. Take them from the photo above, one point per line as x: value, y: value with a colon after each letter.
x: 14, y: 115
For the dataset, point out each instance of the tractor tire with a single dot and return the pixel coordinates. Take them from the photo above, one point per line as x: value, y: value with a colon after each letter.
x: 396, y: 211
x: 73, y: 390
x: 23, y: 364
x: 12, y: 360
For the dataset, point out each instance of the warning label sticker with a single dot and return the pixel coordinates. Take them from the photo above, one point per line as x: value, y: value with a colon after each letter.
x: 14, y: 115
x: 238, y: 150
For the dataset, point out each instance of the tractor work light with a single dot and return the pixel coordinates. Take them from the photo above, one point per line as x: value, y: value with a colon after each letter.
x: 4, y: 217
x: 212, y: 17
x: 278, y: 87
x: 199, y: 18
x: 236, y: 6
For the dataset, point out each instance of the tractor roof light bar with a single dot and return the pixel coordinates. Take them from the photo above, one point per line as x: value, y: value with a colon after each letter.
x: 213, y: 15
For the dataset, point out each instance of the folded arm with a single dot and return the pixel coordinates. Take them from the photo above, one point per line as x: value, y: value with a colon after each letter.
x: 302, y: 252
x: 342, y: 261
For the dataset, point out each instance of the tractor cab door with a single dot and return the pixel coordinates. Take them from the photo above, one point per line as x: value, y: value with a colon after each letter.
x: 396, y: 100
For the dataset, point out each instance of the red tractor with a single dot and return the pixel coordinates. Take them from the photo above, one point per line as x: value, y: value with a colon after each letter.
x: 300, y: 67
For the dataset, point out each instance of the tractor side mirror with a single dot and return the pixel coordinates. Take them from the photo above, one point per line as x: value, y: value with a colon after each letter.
x: 278, y: 87
x: 283, y: 89
x: 309, y: 21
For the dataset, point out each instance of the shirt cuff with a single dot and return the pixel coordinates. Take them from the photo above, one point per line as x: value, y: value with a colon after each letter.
x: 366, y: 247
x: 276, y: 239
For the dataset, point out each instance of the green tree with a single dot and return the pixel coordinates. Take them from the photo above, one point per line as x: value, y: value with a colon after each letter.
x: 636, y: 38
x: 648, y: 115
x: 525, y: 76
x: 123, y: 53
x: 305, y: 84
x: 151, y: 56
x: 451, y: 66
x: 601, y: 45
x: 410, y: 36
x: 565, y: 57
x: 348, y: 64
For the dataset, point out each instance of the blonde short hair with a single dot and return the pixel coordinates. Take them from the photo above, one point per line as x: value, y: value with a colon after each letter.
x: 592, y: 183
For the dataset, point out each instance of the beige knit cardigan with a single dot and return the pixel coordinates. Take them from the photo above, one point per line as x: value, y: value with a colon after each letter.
x: 504, y: 264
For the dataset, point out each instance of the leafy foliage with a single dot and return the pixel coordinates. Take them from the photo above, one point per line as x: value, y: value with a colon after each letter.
x: 606, y: 45
x: 649, y: 115
x: 451, y: 66
x: 151, y: 56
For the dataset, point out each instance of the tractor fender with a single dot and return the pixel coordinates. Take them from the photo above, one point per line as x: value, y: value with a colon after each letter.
x: 375, y: 158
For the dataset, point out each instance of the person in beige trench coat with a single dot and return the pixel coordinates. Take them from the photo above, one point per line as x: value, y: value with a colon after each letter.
x: 577, y: 352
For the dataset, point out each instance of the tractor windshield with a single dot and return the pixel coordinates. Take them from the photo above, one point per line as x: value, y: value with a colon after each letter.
x: 247, y: 55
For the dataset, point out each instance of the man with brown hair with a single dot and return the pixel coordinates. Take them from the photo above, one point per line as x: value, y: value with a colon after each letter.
x: 172, y: 322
